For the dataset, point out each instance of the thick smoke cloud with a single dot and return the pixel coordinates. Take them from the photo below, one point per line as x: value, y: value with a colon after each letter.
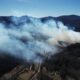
x: 36, y: 40
x: 65, y: 35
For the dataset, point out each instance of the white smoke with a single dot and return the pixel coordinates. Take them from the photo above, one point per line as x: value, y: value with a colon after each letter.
x: 65, y: 35
x: 36, y: 38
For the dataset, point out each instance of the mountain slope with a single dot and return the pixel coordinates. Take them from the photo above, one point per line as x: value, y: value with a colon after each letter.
x: 34, y: 40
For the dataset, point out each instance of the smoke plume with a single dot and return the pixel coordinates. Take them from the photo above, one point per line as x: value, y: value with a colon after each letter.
x: 35, y: 41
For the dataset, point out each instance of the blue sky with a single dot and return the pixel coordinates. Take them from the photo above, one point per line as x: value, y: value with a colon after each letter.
x: 39, y: 8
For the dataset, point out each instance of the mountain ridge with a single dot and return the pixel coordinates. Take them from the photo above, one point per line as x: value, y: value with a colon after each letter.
x: 72, y: 21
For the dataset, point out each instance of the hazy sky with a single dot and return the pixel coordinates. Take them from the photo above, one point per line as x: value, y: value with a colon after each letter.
x: 39, y: 8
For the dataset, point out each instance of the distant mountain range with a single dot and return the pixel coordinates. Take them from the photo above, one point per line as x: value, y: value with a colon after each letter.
x: 71, y: 21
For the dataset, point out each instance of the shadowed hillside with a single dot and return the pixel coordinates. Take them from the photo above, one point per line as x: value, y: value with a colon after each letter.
x: 62, y: 66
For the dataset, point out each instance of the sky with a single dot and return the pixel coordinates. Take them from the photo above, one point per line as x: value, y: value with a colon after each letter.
x: 39, y: 8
